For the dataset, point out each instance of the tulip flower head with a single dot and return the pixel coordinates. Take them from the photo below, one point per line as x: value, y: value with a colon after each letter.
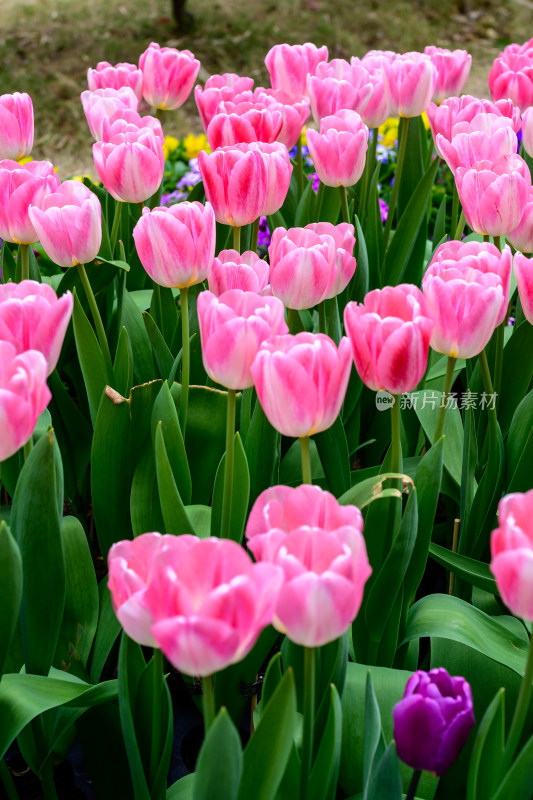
x: 217, y: 89
x: 21, y: 187
x: 511, y: 547
x: 511, y: 78
x: 103, y: 103
x: 410, y: 81
x: 339, y: 150
x: 339, y: 85
x: 453, y: 69
x: 231, y: 270
x: 289, y: 66
x: 16, y: 125
x: 168, y: 75
x: 106, y: 76
x: 130, y: 165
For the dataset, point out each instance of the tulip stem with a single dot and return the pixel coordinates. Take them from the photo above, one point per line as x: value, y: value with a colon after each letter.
x: 48, y: 786
x: 455, y: 210
x: 7, y: 781
x: 322, y: 316
x: 116, y: 222
x: 498, y: 364
x: 157, y: 697
x: 520, y: 712
x: 413, y: 786
x: 344, y: 204
x: 498, y: 242
x: 397, y: 177
x: 368, y: 172
x: 299, y: 167
x: 448, y: 380
x: 225, y: 531
x: 396, y: 440
x: 237, y: 238
x: 307, y: 475
x: 308, y: 721
x: 460, y: 226
x: 319, y: 198
x: 208, y: 701
x: 24, y: 262
x: 255, y: 235
x: 97, y: 319
x: 185, y: 358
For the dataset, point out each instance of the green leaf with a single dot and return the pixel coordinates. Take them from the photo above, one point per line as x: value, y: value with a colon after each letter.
x: 74, y: 434
x: 145, y: 508
x: 386, y: 782
x: 325, y: 770
x: 163, y: 357
x: 273, y: 676
x: 333, y: 451
x: 143, y: 363
x: 519, y: 447
x: 182, y: 789
x: 123, y: 366
x: 113, y: 262
x: 131, y: 665
x: 220, y: 761
x: 90, y: 358
x: 374, y: 745
x: 516, y: 373
x: 8, y: 265
x: 172, y: 506
x: 488, y: 750
x: 439, y: 230
x: 303, y: 210
x: 373, y: 230
x: 239, y: 496
x: 11, y: 595
x: 369, y: 489
x: 359, y: 283
x: 453, y: 432
x: 476, y: 573
x: 517, y: 783
x: 164, y: 411
x: 331, y: 205
x: 107, y: 632
x: 262, y: 446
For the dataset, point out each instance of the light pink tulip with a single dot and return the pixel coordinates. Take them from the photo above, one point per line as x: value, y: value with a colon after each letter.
x: 21, y: 187
x: 527, y: 131
x: 23, y: 396
x: 311, y: 264
x: 301, y: 381
x: 466, y: 286
x: 105, y: 76
x: 294, y: 112
x: 176, y: 245
x: 245, y: 181
x: 485, y: 138
x: 290, y: 65
x: 410, y: 81
x: 319, y: 545
x: 69, y: 224
x: 131, y: 569
x: 453, y: 69
x: 339, y: 150
x: 511, y: 77
x: 128, y: 120
x: 521, y: 237
x: 389, y: 334
x: 456, y: 110
x: 168, y: 75
x: 377, y: 109
x: 244, y: 124
x: 523, y: 270
x: 526, y: 48
x: 494, y: 194
x: 217, y: 89
x: 336, y: 87
x: 103, y: 103
x: 32, y: 317
x: 231, y: 270
x: 130, y: 165
x: 232, y: 328
x: 209, y: 603
x: 16, y: 125
x: 511, y: 547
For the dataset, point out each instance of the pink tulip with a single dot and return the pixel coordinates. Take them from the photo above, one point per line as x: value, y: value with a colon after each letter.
x: 16, y: 125
x: 494, y: 194
x: 290, y: 65
x: 339, y: 150
x: 320, y: 547
x: 521, y: 237
x: 232, y: 328
x: 23, y: 396
x: 21, y: 187
x: 466, y: 287
x: 511, y: 77
x: 294, y: 112
x: 168, y: 75
x: 131, y: 569
x: 336, y: 87
x: 523, y: 270
x: 130, y: 165
x: 453, y: 69
x: 176, y: 245
x: 245, y: 181
x: 69, y: 224
x: 230, y: 270
x: 244, y: 125
x: 311, y: 264
x: 105, y: 76
x: 103, y: 103
x: 410, y: 81
x: 127, y: 120
x: 511, y: 547
x: 377, y: 109
x: 217, y: 89
x: 209, y: 603
x: 527, y: 131
x: 32, y: 317
x: 301, y: 381
x: 456, y: 110
x: 389, y: 334
x: 485, y: 138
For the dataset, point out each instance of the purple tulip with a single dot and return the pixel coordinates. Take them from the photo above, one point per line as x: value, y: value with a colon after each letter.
x: 433, y: 720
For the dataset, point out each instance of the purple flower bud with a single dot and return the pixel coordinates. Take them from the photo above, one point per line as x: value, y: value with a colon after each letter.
x: 433, y: 721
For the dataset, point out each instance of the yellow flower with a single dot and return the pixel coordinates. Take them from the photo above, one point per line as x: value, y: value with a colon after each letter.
x: 193, y: 144
x: 389, y: 131
x: 81, y: 177
x: 303, y: 136
x: 25, y: 160
x: 425, y: 120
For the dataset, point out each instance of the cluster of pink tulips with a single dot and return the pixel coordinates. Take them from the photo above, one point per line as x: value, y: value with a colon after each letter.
x: 173, y: 367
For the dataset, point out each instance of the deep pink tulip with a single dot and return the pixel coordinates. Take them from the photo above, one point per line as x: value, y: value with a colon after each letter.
x: 527, y: 131
x: 131, y: 569
x: 21, y: 187
x: 217, y: 89
x: 23, y: 396
x: 209, y: 603
x: 168, y: 75
x: 32, y: 317
x: 389, y: 334
x: 511, y: 77
x: 319, y: 545
x: 244, y: 124
x: 453, y: 69
x: 105, y: 76
x: 69, y: 224
x: 410, y: 81
x: 16, y: 125
x: 339, y: 150
x: 494, y: 194
x: 485, y: 138
x: 103, y: 103
x: 176, y: 245
x: 311, y: 264
x: 523, y: 270
x: 245, y: 181
x: 465, y: 287
x: 521, y: 237
x: 456, y: 110
x: 377, y: 109
x: 290, y: 65
x: 301, y: 381
x: 335, y: 87
x: 130, y: 165
x: 231, y: 270
x: 232, y: 328
x: 511, y: 547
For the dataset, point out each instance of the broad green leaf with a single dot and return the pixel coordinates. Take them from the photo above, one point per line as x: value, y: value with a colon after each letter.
x: 123, y: 365
x: 517, y: 783
x: 333, y: 451
x: 90, y: 357
x: 182, y: 789
x: 172, y: 507
x: 74, y: 434
x: 369, y: 489
x: 164, y: 411
x: 488, y: 750
x: 143, y: 363
x: 374, y: 745
x: 239, y: 496
x: 439, y: 230
x: 331, y: 205
x: 8, y: 265
x: 164, y: 312
x: 113, y: 262
x: 519, y: 446
x: 303, y: 210
x: 131, y: 665
x: 273, y: 676
x: 427, y: 413
x: 11, y: 595
x: 163, y: 357
x: 516, y: 373
x: 325, y: 769
x: 476, y: 573
x: 262, y: 446
x: 386, y: 782
x: 220, y: 761
x: 107, y: 632
x: 145, y: 508
x: 359, y: 282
